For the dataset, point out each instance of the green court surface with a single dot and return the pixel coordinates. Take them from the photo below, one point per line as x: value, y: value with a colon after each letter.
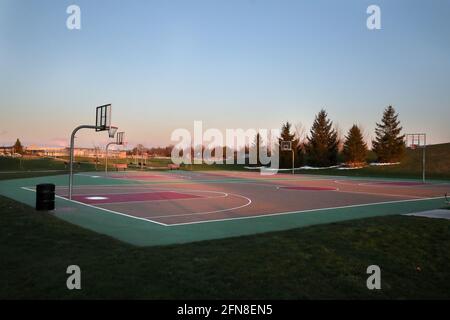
x: 143, y: 232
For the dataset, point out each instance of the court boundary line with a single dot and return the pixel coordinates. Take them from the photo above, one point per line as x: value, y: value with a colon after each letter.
x: 293, y: 188
x: 390, y: 183
x: 383, y: 194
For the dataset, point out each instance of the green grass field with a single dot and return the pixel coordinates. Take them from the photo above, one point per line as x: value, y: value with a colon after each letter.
x: 319, y: 262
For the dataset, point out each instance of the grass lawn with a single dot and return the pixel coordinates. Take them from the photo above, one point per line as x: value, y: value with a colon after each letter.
x: 36, y: 164
x: 326, y: 261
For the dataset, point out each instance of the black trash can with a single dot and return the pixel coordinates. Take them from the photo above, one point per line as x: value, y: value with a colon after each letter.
x: 45, y: 197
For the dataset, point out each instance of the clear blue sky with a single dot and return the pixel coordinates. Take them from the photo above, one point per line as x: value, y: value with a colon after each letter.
x: 231, y: 63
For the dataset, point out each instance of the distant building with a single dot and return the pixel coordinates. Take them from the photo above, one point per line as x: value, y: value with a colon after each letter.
x: 41, y: 151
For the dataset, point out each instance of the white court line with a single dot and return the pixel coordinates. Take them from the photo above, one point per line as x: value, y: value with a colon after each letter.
x: 386, y: 183
x: 249, y: 201
x: 383, y: 194
x: 376, y: 193
x: 89, y: 175
x: 390, y: 184
x: 302, y: 211
x: 293, y: 188
x: 431, y: 184
x: 103, y: 209
x: 344, y: 182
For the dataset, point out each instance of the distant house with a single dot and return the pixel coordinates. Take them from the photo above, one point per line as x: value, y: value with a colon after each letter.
x: 97, y: 153
x: 7, y: 150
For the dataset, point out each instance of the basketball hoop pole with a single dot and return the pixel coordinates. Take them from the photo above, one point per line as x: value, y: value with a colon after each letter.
x: 72, y: 147
x: 420, y: 137
x: 293, y: 166
x: 423, y: 157
x: 287, y: 146
x: 118, y: 142
x: 106, y: 157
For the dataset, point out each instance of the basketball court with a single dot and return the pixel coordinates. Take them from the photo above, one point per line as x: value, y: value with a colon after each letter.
x: 165, y: 207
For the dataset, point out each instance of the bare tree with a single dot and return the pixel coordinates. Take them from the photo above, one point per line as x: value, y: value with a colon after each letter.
x: 300, y: 131
x: 340, y: 136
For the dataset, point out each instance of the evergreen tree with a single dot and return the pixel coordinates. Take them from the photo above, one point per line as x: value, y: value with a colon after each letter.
x: 18, y: 148
x: 389, y: 145
x: 355, y: 149
x: 322, y: 144
x: 286, y: 156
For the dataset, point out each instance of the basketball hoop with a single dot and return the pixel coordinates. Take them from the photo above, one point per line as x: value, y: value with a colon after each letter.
x: 112, y: 131
x: 286, y: 146
x: 120, y: 138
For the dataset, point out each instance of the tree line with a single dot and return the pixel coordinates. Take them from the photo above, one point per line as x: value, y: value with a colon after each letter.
x: 321, y: 148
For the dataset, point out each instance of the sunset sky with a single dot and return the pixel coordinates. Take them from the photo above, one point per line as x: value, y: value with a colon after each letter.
x: 229, y: 63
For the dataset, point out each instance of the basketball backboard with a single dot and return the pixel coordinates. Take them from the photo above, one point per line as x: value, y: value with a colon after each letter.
x: 120, y: 138
x: 103, y: 117
x: 112, y: 131
x: 415, y: 140
x: 286, y: 145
